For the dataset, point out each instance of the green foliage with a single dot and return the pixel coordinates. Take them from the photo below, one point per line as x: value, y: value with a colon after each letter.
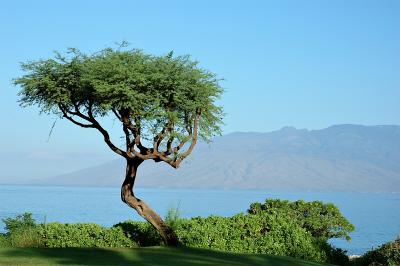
x: 24, y: 232
x: 26, y: 237
x: 322, y: 220
x: 386, y: 255
x: 173, y: 217
x: 334, y: 255
x: 4, y: 241
x: 21, y: 231
x: 19, y: 222
x: 261, y: 234
x: 141, y: 233
x: 83, y: 235
x: 152, y: 89
x: 280, y: 230
x: 275, y: 235
x: 297, y: 229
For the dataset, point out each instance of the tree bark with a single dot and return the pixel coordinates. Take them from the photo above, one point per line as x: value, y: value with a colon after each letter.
x: 127, y: 195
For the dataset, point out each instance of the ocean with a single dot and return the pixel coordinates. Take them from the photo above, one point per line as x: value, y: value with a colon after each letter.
x: 376, y: 216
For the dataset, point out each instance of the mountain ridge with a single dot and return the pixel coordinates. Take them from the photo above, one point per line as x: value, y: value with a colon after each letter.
x: 341, y: 158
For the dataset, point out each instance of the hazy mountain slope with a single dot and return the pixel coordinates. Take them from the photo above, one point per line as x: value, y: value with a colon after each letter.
x: 343, y: 157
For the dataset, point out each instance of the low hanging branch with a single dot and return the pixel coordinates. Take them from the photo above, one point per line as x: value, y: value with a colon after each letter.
x: 142, y: 91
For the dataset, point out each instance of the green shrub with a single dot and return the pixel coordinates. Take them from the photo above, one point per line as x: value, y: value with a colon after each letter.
x: 24, y: 220
x: 4, y: 241
x: 386, y: 255
x: 21, y: 231
x: 141, y: 233
x: 173, y: 217
x: 268, y: 234
x: 298, y: 229
x: 334, y: 255
x: 83, y: 235
x: 25, y: 237
x: 322, y: 220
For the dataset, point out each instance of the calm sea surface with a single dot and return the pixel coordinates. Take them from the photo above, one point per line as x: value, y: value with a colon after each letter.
x: 375, y: 215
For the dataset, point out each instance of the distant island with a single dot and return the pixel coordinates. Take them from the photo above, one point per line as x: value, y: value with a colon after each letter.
x: 338, y: 158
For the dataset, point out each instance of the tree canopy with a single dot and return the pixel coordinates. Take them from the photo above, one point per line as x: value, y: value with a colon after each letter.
x: 166, y: 100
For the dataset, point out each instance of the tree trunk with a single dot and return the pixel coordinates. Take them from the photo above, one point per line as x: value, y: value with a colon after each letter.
x: 168, y: 235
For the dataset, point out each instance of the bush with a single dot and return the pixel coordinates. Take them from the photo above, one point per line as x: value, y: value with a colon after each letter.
x: 322, y: 220
x: 298, y: 229
x: 21, y: 221
x: 173, y: 217
x: 83, y: 235
x: 274, y: 235
x: 4, y: 241
x: 386, y: 255
x: 334, y: 255
x: 25, y: 237
x: 141, y: 233
x: 22, y: 231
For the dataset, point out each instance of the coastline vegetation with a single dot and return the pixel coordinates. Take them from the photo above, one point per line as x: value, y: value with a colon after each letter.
x: 276, y: 232
x: 296, y: 229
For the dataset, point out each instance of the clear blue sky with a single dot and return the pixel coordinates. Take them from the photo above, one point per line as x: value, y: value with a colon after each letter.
x: 308, y: 64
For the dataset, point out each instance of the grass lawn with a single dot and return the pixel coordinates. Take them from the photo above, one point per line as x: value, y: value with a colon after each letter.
x: 138, y: 256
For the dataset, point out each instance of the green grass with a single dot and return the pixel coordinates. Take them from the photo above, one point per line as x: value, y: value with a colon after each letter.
x: 153, y: 256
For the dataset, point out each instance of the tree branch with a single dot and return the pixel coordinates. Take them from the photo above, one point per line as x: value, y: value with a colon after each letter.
x: 108, y: 140
x: 116, y: 114
x: 125, y: 117
x: 193, y: 143
x: 135, y: 130
x: 78, y: 113
x: 175, y: 161
x: 70, y: 118
x: 94, y: 124
x: 169, y: 145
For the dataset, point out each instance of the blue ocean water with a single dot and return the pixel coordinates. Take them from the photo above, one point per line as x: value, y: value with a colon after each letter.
x: 375, y: 215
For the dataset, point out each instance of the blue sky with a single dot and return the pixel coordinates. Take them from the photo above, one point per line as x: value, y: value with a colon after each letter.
x: 308, y: 64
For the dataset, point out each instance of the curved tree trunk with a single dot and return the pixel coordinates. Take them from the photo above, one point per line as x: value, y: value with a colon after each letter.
x: 168, y: 235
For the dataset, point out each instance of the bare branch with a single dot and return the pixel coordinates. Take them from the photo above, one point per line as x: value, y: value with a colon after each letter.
x: 93, y: 124
x: 182, y: 143
x: 78, y: 113
x: 144, y: 155
x: 168, y: 128
x: 90, y: 110
x: 193, y: 143
x: 116, y: 114
x: 169, y: 145
x: 175, y: 161
x: 127, y: 137
x: 108, y: 140
x: 129, y: 128
x: 158, y: 139
x: 70, y: 118
x: 135, y: 130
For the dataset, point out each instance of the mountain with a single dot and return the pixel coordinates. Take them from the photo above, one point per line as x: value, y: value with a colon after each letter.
x: 338, y: 158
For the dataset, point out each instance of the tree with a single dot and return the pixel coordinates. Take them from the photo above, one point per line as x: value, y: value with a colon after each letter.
x: 164, y: 105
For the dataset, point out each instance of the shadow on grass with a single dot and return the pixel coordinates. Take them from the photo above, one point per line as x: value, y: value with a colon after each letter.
x: 74, y: 256
x: 197, y: 256
x: 138, y: 256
